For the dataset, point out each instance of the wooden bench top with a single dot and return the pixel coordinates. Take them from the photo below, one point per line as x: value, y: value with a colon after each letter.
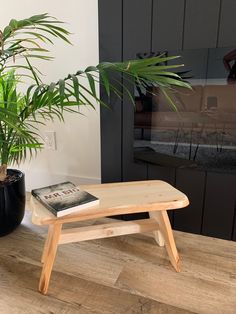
x: 117, y: 199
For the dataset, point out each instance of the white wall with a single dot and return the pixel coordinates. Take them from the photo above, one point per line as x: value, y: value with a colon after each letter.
x: 77, y: 157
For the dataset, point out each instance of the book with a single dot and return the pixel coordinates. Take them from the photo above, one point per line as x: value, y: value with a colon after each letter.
x: 64, y: 198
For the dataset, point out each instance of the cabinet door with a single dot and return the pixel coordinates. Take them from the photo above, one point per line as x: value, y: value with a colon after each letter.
x: 137, y: 24
x: 192, y: 183
x: 110, y: 43
x: 201, y: 23
x: 168, y: 19
x: 219, y: 208
x: 137, y: 21
x: 234, y: 228
x: 227, y: 25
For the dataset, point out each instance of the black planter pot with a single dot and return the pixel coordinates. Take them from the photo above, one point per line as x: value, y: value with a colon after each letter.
x: 12, y: 202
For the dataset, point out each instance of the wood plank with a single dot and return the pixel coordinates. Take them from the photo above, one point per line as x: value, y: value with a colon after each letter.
x: 81, y: 260
x: 179, y: 289
x: 204, y: 277
x: 206, y: 284
x: 117, y: 199
x: 107, y: 230
x: 75, y: 297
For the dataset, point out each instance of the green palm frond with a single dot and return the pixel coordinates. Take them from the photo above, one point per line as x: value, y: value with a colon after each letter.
x: 24, y: 38
x: 16, y: 138
x: 21, y: 43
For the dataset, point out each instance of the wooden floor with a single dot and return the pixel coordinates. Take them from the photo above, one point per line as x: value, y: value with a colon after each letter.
x: 129, y: 275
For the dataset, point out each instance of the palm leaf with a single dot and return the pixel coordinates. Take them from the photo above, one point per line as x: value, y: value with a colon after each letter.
x: 20, y: 115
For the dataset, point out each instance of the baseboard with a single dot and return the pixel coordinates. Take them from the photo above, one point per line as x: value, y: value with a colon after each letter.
x: 36, y: 179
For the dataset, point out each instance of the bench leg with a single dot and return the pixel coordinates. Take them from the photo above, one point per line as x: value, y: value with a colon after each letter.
x: 47, y: 242
x: 48, y: 257
x: 157, y: 234
x: 167, y: 233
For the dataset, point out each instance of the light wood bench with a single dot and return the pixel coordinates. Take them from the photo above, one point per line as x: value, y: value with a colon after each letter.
x: 155, y: 197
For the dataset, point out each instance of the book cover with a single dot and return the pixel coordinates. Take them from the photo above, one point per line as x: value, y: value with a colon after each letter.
x: 64, y: 198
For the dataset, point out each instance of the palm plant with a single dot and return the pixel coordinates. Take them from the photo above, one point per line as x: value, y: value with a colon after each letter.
x: 23, y: 41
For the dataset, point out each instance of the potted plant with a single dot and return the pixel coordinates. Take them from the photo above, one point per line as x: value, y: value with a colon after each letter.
x: 21, y: 42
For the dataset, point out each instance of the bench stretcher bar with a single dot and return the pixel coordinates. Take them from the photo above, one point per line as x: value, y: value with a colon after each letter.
x: 107, y: 230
